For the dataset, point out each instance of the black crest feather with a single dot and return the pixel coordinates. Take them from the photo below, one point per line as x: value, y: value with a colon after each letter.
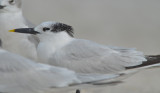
x: 58, y: 27
x: 0, y: 43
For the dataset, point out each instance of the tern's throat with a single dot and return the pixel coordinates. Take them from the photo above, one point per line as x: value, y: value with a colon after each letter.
x: 11, y: 16
x: 11, y: 21
x: 49, y: 43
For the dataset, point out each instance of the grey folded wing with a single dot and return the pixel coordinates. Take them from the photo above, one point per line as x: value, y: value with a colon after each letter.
x: 89, y: 57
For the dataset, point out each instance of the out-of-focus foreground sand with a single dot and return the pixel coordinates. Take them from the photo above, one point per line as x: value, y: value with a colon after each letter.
x: 128, y: 23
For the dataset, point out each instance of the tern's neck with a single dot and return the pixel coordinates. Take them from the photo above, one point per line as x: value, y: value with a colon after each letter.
x: 11, y: 14
x: 50, y: 43
x: 12, y: 20
x: 56, y: 40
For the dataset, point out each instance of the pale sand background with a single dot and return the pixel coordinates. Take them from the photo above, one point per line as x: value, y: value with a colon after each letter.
x: 129, y: 23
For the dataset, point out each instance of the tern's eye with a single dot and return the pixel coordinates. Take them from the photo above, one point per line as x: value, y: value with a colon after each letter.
x: 11, y: 1
x: 45, y: 29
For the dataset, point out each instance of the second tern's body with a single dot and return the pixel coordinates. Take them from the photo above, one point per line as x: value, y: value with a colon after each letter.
x: 11, y: 16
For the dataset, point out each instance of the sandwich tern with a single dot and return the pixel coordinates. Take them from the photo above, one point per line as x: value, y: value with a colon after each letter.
x: 58, y: 47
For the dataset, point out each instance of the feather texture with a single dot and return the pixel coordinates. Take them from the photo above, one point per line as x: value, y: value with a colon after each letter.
x: 89, y: 57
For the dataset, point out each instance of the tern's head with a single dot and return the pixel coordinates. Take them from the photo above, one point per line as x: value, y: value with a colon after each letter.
x: 10, y: 5
x: 48, y: 29
x: 51, y: 27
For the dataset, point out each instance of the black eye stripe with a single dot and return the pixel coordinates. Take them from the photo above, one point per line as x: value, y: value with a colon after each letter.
x: 45, y: 28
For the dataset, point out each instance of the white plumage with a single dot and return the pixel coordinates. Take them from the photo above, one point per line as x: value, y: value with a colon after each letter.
x: 11, y: 17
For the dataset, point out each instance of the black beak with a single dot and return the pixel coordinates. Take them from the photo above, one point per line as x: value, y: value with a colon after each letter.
x: 1, y: 7
x: 25, y: 30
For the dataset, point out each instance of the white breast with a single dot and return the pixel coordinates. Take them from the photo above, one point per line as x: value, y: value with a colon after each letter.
x: 15, y: 42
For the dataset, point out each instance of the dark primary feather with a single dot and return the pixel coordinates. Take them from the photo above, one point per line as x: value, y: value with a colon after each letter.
x: 151, y: 59
x: 0, y: 42
x: 78, y: 91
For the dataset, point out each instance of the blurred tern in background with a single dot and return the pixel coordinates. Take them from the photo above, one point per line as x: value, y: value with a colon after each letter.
x: 21, y: 75
x: 58, y: 47
x: 11, y: 17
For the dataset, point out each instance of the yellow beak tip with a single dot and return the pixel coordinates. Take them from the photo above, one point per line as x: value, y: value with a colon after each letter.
x: 12, y: 30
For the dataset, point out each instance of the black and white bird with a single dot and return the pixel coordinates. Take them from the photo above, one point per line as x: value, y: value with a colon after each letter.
x: 11, y: 17
x: 58, y: 47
